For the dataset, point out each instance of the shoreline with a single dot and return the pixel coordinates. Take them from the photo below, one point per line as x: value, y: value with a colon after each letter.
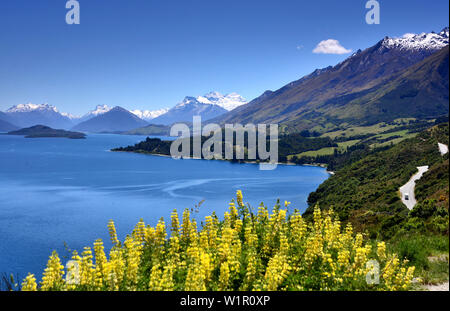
x: 243, y: 162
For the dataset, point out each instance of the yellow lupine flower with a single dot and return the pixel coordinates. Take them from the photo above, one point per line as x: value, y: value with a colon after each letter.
x: 239, y: 198
x: 87, y: 270
x: 233, y: 211
x: 29, y: 283
x: 133, y: 251
x: 186, y: 226
x: 224, y: 277
x: 53, y: 274
x: 139, y: 231
x: 175, y: 223
x: 381, y: 250
x: 160, y: 233
x: 112, y: 232
x: 277, y: 270
x: 230, y: 255
x: 155, y: 278
x: 100, y: 263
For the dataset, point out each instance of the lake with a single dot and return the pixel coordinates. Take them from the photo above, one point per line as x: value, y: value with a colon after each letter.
x: 59, y: 193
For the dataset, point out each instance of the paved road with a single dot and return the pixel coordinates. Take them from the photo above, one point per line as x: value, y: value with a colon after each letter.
x: 408, y: 188
x: 443, y: 148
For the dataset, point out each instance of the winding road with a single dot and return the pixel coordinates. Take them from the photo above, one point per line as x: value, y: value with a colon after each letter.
x: 407, y: 190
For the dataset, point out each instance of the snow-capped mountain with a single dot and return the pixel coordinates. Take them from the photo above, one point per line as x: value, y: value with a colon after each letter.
x: 115, y: 120
x: 228, y: 102
x: 149, y: 115
x: 70, y: 116
x: 31, y: 107
x: 187, y: 109
x: 99, y: 110
x: 208, y: 106
x: 26, y: 115
x: 424, y: 41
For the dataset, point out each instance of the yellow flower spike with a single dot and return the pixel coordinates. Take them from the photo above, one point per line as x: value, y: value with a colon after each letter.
x: 186, y: 226
x: 317, y: 218
x: 239, y: 198
x: 277, y: 270
x: 155, y: 278
x: 29, y: 283
x: 381, y: 250
x: 87, y: 272
x: 358, y: 241
x: 139, y: 231
x: 233, y: 211
x: 224, y: 277
x: 112, y: 233
x: 284, y: 244
x: 133, y: 251
x: 116, y: 268
x: 53, y: 274
x: 175, y: 223
x: 167, y: 282
x: 160, y: 233
x: 100, y: 263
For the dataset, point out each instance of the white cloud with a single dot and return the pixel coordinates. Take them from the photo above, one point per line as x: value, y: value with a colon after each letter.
x: 299, y: 47
x: 330, y: 46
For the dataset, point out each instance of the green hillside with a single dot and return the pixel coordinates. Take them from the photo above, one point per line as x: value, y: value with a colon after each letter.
x: 365, y: 192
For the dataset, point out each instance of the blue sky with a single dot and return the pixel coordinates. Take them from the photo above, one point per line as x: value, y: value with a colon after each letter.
x: 149, y: 54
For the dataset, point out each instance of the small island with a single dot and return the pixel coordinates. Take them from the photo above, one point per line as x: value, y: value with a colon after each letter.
x: 38, y: 131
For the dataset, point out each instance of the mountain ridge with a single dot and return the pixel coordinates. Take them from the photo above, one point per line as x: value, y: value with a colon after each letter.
x: 26, y: 115
x: 298, y: 104
x: 115, y: 120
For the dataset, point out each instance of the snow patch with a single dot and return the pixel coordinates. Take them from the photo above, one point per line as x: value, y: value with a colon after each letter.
x: 424, y: 41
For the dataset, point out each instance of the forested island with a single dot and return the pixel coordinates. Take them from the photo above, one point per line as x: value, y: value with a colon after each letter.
x: 39, y: 131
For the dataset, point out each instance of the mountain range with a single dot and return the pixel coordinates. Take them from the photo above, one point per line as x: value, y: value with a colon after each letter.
x: 397, y: 77
x: 405, y: 77
x: 148, y: 115
x: 208, y: 106
x: 27, y: 115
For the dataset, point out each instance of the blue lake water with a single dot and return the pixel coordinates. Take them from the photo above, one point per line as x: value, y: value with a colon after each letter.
x: 60, y: 191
